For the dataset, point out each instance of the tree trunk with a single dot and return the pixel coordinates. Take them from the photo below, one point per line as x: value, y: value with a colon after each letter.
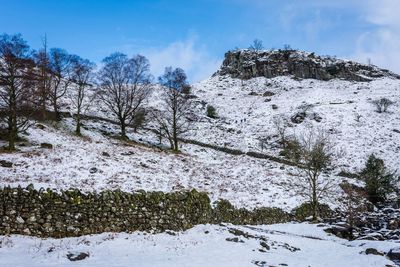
x: 12, y: 133
x: 57, y: 112
x: 123, y: 128
x: 314, y: 199
x: 78, y: 124
x: 11, y: 140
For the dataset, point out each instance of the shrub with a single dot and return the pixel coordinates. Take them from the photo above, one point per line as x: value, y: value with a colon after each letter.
x: 382, y: 104
x: 139, y: 120
x: 187, y: 89
x: 378, y: 181
x: 211, y: 112
x: 292, y: 149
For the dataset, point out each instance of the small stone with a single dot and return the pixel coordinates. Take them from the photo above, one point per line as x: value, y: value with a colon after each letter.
x: 394, y: 254
x: 265, y: 245
x: 20, y: 220
x: 46, y: 145
x: 6, y: 164
x: 26, y: 231
x: 268, y: 93
x: 93, y: 170
x: 77, y: 256
x: 234, y: 239
x: 373, y: 251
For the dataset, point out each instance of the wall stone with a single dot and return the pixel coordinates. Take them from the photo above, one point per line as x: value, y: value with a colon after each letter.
x: 47, y: 213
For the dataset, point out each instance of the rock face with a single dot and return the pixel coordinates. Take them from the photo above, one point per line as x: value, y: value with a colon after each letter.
x: 246, y: 64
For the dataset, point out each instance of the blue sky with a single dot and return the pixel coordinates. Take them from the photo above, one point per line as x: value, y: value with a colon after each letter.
x: 195, y: 34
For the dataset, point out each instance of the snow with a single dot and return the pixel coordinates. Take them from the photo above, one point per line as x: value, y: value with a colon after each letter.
x: 337, y: 102
x: 203, y: 245
x: 244, y: 119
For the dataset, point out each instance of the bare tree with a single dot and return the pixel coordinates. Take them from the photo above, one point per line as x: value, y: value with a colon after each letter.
x: 60, y: 65
x: 174, y: 120
x: 382, y: 104
x: 257, y: 45
x: 125, y: 85
x: 315, y: 155
x: 17, y: 85
x: 42, y: 62
x: 81, y: 76
x: 281, y: 124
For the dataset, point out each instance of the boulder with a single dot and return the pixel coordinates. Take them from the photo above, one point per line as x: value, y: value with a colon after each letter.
x: 77, y: 256
x: 268, y: 93
x: 394, y: 254
x: 373, y: 251
x: 6, y: 164
x: 46, y: 145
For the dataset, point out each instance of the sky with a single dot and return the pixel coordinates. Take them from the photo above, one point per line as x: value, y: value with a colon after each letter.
x: 195, y: 34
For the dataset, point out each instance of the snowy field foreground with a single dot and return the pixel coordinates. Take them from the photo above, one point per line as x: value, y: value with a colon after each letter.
x: 205, y: 245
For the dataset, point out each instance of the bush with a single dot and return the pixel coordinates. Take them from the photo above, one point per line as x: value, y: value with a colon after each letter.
x: 382, y: 104
x: 139, y: 120
x: 292, y: 149
x: 211, y: 112
x: 379, y: 183
x: 305, y: 211
x: 187, y: 89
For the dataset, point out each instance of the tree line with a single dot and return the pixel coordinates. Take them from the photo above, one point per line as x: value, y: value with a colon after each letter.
x: 32, y: 83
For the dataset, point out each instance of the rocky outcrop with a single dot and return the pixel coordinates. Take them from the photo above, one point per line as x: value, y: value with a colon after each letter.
x: 246, y: 64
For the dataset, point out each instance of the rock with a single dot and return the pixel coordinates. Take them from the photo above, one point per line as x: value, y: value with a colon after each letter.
x: 394, y: 254
x: 93, y: 170
x: 247, y: 64
x: 265, y: 245
x: 253, y: 93
x: 40, y: 126
x: 46, y: 145
x: 268, y: 93
x: 234, y: 239
x: 77, y: 256
x: 316, y: 117
x: 6, y: 164
x: 26, y: 231
x: 373, y: 251
x: 298, y: 117
x: 341, y: 231
x: 105, y: 154
x: 274, y: 106
x: 20, y: 220
x: 394, y: 224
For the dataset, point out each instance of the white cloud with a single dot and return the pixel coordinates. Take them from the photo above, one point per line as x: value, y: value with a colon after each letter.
x: 382, y: 43
x: 188, y: 55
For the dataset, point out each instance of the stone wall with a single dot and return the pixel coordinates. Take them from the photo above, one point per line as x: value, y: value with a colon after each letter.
x: 47, y: 213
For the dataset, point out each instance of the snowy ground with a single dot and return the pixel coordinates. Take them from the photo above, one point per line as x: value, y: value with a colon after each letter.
x: 345, y: 108
x: 245, y: 181
x: 244, y: 118
x: 204, y: 245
